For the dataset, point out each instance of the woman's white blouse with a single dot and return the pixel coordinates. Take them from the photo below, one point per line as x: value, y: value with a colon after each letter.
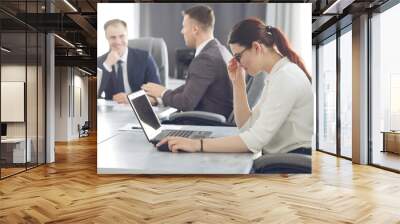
x: 282, y: 119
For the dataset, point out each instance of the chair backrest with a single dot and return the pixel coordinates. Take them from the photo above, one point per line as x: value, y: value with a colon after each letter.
x: 183, y: 58
x: 158, y: 50
x: 86, y: 125
x: 283, y: 163
x: 254, y: 87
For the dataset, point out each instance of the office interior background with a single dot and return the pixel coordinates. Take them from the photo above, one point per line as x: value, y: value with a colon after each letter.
x: 45, y: 79
x: 48, y: 78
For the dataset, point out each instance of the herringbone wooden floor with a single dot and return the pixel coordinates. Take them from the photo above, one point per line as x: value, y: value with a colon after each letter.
x: 70, y: 191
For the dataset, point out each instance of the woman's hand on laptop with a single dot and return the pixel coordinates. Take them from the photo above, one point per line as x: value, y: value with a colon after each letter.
x: 179, y: 143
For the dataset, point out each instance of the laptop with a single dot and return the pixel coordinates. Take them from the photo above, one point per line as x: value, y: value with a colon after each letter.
x: 151, y: 124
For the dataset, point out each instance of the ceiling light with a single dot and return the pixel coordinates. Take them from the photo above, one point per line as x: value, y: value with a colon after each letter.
x: 337, y: 7
x: 5, y: 50
x: 84, y: 71
x: 70, y: 5
x: 64, y: 40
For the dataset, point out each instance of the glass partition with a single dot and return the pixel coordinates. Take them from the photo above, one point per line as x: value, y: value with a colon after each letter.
x: 327, y: 96
x: 31, y: 98
x: 41, y: 111
x: 346, y: 94
x: 385, y: 89
x: 13, y: 96
x: 22, y: 87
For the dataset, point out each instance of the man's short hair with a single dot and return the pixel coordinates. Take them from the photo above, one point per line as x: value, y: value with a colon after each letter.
x: 114, y: 22
x: 203, y: 15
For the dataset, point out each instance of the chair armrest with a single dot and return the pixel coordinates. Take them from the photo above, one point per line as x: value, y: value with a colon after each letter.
x: 196, y: 118
x: 283, y: 163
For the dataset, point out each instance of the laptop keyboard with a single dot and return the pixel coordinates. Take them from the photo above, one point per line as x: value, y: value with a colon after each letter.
x: 180, y: 133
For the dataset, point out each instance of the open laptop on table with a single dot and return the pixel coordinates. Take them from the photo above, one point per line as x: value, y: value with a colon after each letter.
x: 151, y: 124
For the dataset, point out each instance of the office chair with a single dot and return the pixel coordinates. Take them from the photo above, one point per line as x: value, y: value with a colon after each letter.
x: 183, y: 58
x: 158, y: 50
x: 84, y: 130
x: 283, y: 163
x: 254, y: 87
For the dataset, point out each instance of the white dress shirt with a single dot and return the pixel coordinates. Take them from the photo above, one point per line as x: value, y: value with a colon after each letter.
x: 282, y: 119
x: 124, y: 59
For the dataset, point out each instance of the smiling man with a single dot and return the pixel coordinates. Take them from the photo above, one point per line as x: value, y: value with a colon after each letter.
x: 207, y: 86
x: 124, y: 69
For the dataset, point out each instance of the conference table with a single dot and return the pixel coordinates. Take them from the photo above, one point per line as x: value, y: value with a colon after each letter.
x: 122, y: 147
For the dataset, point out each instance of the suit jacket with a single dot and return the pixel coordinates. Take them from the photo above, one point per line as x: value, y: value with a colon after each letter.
x: 141, y: 69
x: 207, y: 86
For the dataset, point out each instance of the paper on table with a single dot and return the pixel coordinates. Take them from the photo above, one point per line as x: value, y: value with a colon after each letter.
x: 135, y: 126
x: 130, y: 127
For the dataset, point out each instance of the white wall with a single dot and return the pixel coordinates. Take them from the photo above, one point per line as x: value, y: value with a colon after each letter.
x: 80, y: 103
x: 12, y: 100
x: 82, y: 82
x: 70, y: 84
x: 61, y: 103
x: 128, y: 12
x: 12, y: 73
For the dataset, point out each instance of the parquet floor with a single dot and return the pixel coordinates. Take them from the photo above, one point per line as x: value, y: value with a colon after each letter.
x: 10, y: 171
x: 70, y: 191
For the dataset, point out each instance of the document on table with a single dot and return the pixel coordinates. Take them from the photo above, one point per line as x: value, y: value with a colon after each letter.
x: 134, y: 126
x: 130, y: 127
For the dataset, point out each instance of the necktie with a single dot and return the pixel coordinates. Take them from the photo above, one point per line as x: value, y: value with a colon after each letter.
x: 119, y: 79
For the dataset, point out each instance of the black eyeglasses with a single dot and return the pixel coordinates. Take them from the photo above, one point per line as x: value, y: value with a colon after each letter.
x: 238, y: 56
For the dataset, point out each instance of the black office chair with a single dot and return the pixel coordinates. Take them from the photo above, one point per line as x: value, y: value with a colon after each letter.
x: 183, y: 58
x: 201, y: 118
x: 84, y: 130
x: 286, y: 163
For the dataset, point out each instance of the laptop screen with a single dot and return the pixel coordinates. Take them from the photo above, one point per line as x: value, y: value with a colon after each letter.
x: 145, y: 114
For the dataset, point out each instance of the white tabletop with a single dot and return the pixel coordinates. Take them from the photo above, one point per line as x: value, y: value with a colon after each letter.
x: 129, y: 152
x: 110, y: 118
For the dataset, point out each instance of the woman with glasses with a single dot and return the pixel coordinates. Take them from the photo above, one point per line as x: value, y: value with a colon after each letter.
x: 282, y: 119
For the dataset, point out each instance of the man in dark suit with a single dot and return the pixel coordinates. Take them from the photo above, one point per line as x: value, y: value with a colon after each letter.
x: 124, y: 70
x: 207, y: 86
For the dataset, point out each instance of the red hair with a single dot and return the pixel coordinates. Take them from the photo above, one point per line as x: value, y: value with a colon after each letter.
x: 249, y: 30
